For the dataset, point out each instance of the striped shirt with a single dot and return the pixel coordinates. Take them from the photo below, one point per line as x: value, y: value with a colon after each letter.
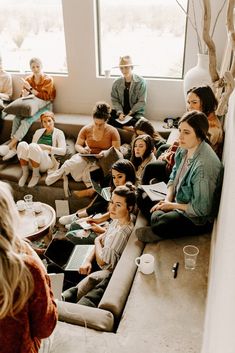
x: 115, y: 240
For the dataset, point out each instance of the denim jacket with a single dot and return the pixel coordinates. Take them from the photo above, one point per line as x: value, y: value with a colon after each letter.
x: 201, y: 184
x: 137, y: 94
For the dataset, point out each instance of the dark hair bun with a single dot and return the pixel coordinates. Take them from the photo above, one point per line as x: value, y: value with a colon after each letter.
x: 130, y: 186
x: 102, y: 110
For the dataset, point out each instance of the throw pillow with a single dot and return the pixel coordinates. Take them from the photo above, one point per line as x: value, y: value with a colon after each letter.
x: 26, y: 108
x: 110, y: 157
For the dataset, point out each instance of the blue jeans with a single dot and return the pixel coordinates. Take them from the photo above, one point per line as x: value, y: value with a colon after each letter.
x: 20, y: 126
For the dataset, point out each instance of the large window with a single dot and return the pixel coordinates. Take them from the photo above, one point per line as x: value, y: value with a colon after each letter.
x: 32, y: 28
x: 151, y: 31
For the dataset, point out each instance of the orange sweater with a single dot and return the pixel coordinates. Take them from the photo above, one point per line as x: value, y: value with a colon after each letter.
x: 45, y: 87
x: 37, y: 320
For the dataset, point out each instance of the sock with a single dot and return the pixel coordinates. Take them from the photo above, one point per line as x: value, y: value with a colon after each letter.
x: 35, y: 178
x: 24, y: 177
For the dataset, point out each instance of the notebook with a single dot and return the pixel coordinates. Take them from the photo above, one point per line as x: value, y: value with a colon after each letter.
x: 156, y: 192
x: 57, y: 280
x: 104, y: 192
x: 67, y: 255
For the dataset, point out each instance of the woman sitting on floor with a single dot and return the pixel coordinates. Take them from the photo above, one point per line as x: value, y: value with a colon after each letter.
x: 142, y: 154
x: 194, y: 187
x: 122, y: 171
x: 143, y: 127
x: 111, y: 242
x: 39, y: 154
x: 92, y: 139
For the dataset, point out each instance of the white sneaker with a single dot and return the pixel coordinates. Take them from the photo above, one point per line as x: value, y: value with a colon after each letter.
x: 68, y: 219
x: 4, y: 149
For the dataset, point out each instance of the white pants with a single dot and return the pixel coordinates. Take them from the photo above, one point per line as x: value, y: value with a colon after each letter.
x: 79, y: 168
x: 34, y: 152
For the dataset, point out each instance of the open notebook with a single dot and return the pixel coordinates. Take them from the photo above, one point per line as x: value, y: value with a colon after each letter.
x: 67, y: 255
x: 156, y: 192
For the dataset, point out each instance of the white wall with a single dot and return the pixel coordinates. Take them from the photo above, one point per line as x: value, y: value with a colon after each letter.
x: 78, y: 92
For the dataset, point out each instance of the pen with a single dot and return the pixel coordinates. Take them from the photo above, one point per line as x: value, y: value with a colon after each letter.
x: 175, y: 269
x: 158, y: 192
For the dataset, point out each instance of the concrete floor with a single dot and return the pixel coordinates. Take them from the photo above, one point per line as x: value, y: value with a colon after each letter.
x: 162, y: 314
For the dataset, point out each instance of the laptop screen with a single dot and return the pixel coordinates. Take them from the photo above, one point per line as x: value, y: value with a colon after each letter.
x: 59, y: 251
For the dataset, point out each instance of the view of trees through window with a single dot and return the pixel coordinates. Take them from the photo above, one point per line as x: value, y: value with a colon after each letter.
x: 32, y: 28
x: 151, y: 31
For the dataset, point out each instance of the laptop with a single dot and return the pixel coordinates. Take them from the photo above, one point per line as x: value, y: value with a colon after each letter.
x: 104, y: 192
x: 67, y: 255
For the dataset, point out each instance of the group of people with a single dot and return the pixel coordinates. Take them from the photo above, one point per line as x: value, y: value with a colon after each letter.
x: 191, y: 167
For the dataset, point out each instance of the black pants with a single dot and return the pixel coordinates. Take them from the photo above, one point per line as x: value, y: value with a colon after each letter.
x: 174, y: 224
x: 113, y: 120
x: 157, y: 171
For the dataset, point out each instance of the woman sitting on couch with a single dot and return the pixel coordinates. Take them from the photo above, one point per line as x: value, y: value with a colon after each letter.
x: 39, y: 155
x: 39, y: 85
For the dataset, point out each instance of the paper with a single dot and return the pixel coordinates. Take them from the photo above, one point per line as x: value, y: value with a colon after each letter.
x: 126, y: 119
x: 62, y: 208
x: 89, y: 154
x: 156, y: 192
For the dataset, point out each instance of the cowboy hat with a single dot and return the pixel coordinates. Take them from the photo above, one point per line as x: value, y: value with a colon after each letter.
x: 125, y: 61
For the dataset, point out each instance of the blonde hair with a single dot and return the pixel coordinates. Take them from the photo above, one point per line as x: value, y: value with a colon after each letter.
x: 16, y: 282
x: 35, y: 61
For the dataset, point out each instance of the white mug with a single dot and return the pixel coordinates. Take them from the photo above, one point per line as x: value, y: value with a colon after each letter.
x: 145, y: 263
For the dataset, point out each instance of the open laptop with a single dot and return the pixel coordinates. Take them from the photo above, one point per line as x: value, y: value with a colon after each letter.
x: 67, y: 255
x: 104, y: 192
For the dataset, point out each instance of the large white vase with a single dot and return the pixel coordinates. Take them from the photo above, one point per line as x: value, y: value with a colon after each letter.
x: 198, y: 75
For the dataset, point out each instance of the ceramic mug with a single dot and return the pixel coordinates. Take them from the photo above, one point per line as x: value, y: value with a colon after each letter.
x: 145, y: 263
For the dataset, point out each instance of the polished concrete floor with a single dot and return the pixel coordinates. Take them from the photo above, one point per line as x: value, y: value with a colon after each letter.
x: 162, y: 314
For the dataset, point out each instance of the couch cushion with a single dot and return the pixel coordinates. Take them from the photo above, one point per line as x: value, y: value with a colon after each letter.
x: 26, y: 107
x: 85, y: 316
x: 119, y: 286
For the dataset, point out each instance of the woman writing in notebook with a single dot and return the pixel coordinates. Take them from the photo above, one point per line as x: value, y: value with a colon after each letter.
x: 122, y: 171
x: 92, y: 139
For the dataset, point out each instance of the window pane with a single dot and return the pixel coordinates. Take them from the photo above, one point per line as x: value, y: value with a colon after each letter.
x: 32, y: 28
x: 151, y: 31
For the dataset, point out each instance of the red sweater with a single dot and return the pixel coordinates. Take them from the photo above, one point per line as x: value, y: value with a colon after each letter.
x: 37, y: 320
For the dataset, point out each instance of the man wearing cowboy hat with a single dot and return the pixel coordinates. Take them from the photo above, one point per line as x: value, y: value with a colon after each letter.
x: 128, y: 96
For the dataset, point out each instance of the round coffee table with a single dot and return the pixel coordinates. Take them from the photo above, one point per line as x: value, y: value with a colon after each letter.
x: 29, y: 228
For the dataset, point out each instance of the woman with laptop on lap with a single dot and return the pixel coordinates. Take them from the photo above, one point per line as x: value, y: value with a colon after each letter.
x: 110, y: 242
